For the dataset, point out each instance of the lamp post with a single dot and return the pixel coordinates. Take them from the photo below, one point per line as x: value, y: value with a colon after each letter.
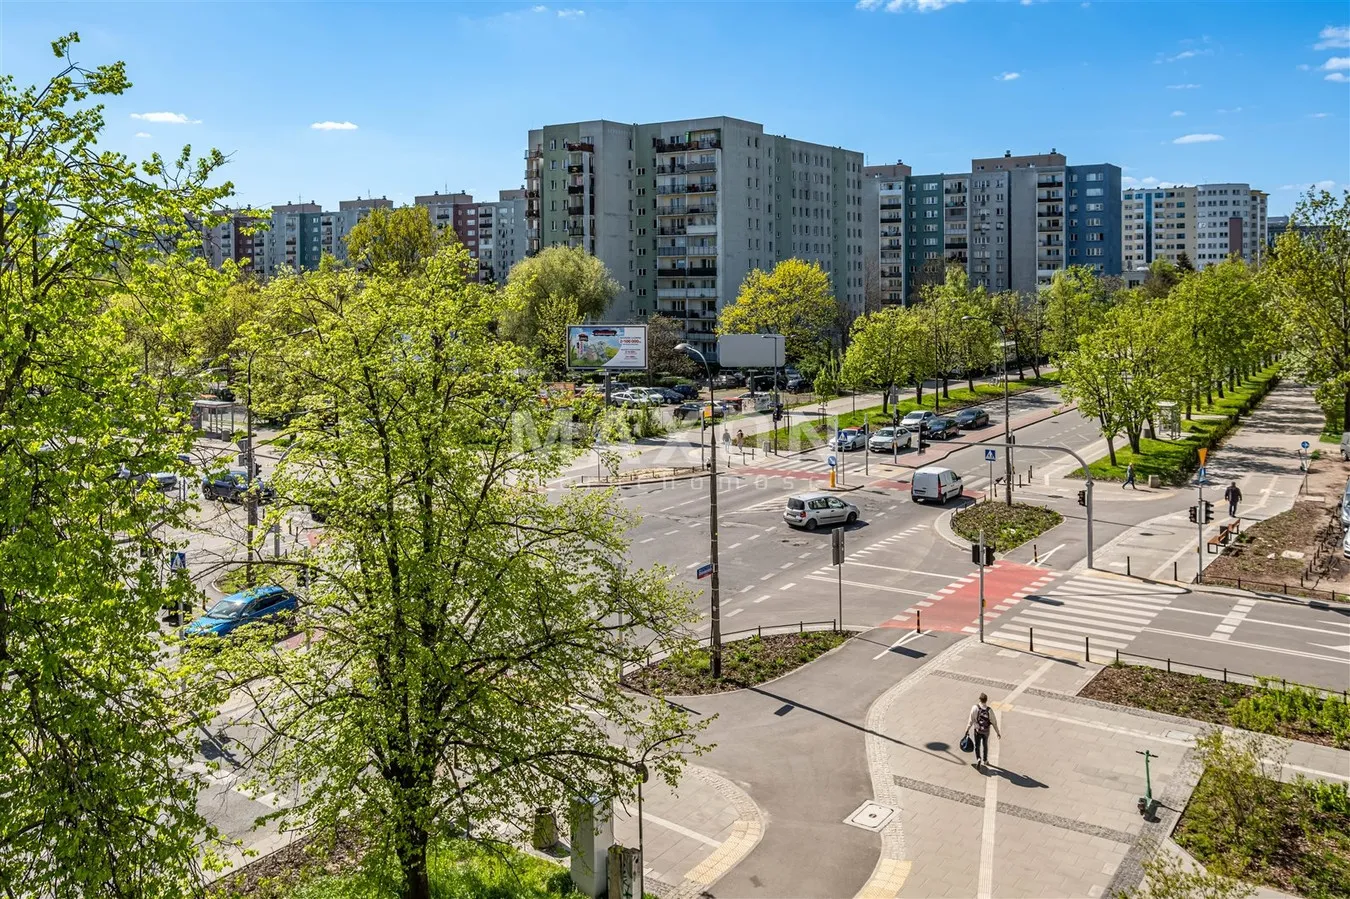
x: 251, y: 494
x: 775, y: 338
x: 1007, y: 419
x: 640, y: 769
x: 716, y: 639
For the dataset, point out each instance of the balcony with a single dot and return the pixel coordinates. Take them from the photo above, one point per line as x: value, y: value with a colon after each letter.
x: 892, y: 219
x: 665, y: 189
x: 692, y: 293
x: 700, y: 166
x: 575, y: 231
x: 1053, y: 181
x: 579, y: 147
x: 706, y: 143
x: 1053, y: 212
x: 960, y: 189
x: 672, y: 251
x: 672, y: 210
x: 667, y: 232
x: 703, y: 187
x: 1055, y: 196
x: 885, y: 206
x: 576, y: 210
x: 674, y: 168
x: 706, y: 204
x: 536, y: 153
x: 576, y: 168
x: 703, y: 250
x: 576, y: 188
x: 672, y: 272
x: 701, y: 229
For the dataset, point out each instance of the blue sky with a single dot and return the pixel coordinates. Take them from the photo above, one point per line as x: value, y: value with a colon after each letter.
x: 441, y: 94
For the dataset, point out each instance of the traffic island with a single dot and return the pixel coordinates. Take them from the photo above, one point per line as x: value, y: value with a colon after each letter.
x: 745, y: 663
x: 1294, y: 553
x: 1005, y: 527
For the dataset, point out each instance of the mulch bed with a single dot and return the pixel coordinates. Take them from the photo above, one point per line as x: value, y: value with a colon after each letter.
x: 1188, y: 696
x: 276, y: 874
x: 745, y: 663
x: 1005, y: 527
x: 1256, y: 556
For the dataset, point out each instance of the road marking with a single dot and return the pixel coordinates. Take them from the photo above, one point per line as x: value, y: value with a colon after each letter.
x: 1288, y: 652
x: 938, y: 574
x: 732, y: 546
x: 648, y: 540
x: 682, y: 830
x: 787, y: 587
x: 764, y: 597
x: 767, y: 576
x: 1043, y: 558
x: 901, y: 642
x: 786, y: 565
x: 734, y: 612
x: 671, y: 531
x: 692, y: 565
x: 753, y: 537
x: 902, y: 590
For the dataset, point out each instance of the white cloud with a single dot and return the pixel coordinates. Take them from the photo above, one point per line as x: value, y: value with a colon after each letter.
x: 1335, y: 64
x: 570, y: 13
x: 1319, y: 115
x: 165, y: 118
x: 903, y: 5
x: 1182, y: 87
x: 1325, y: 185
x: 1150, y: 181
x: 333, y: 126
x: 1339, y: 77
x: 1177, y: 113
x: 142, y: 133
x: 1332, y: 37
x: 1226, y: 111
x: 1008, y: 76
x: 538, y: 9
x: 1198, y: 138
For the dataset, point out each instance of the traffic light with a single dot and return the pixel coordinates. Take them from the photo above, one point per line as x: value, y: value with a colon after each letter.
x: 778, y: 413
x: 1209, y: 511
x: 1190, y: 512
x: 988, y: 554
x: 1082, y: 497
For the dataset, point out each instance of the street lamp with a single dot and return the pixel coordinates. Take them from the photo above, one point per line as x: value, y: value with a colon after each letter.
x: 640, y: 769
x: 712, y: 516
x: 1007, y: 420
x: 776, y: 399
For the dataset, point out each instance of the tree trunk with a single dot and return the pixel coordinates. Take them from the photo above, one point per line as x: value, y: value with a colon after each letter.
x: 1345, y: 408
x: 1220, y: 387
x: 1209, y: 393
x: 412, y: 857
x: 970, y: 380
x: 918, y: 391
x: 1111, y: 448
x: 1133, y: 436
x: 946, y: 384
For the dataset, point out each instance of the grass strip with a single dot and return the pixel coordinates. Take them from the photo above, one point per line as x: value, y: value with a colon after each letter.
x: 745, y: 663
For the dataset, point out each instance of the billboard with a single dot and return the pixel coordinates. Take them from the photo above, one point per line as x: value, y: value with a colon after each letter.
x: 750, y: 350
x: 607, y: 346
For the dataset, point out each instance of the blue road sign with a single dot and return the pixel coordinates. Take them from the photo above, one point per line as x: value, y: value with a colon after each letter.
x: 1200, y: 474
x: 832, y: 461
x: 990, y: 455
x: 177, y: 561
x: 1304, y: 444
x: 705, y: 571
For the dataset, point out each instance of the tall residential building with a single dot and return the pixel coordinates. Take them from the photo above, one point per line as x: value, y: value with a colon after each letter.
x: 335, y: 226
x: 501, y: 235
x: 240, y: 238
x: 456, y: 211
x: 1011, y: 222
x: 293, y: 241
x: 884, y: 232
x: 1208, y: 223
x: 664, y: 207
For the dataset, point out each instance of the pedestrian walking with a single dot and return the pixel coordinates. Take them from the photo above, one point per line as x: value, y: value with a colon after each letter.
x: 1129, y: 477
x: 981, y: 720
x: 1234, y: 496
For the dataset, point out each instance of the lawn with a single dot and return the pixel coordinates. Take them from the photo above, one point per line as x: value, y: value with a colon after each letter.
x: 812, y: 433
x: 1005, y: 527
x: 458, y: 870
x: 1296, y: 713
x: 744, y: 664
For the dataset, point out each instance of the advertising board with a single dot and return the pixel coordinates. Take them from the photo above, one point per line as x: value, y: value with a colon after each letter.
x: 607, y: 347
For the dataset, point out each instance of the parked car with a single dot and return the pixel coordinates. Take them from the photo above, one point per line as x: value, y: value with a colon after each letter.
x: 694, y: 410
x: 810, y: 510
x: 797, y: 384
x: 917, y: 419
x: 971, y: 417
x: 891, y: 440
x: 632, y: 398
x: 729, y: 379
x: 846, y: 439
x: 686, y: 391
x: 231, y: 486
x: 164, y: 481
x: 672, y: 396
x: 941, y: 428
x: 244, y: 607
x: 940, y: 484
x: 656, y: 396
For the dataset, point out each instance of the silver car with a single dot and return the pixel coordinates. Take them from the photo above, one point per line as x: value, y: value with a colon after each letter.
x: 849, y: 439
x: 891, y: 440
x: 811, y: 510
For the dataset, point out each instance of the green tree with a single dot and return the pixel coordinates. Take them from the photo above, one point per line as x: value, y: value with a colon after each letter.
x: 793, y: 300
x: 1308, y: 277
x: 956, y: 345
x: 1162, y: 277
x: 93, y: 732
x: 465, y: 630
x: 883, y: 351
x: 663, y: 333
x: 403, y: 239
x: 1022, y: 315
x: 1075, y: 302
x: 557, y: 287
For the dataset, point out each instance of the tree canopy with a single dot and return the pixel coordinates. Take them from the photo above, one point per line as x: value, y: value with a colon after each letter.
x: 403, y: 239
x: 546, y: 292
x: 793, y: 300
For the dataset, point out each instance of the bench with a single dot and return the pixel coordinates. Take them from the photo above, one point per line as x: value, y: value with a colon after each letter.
x: 1225, y: 536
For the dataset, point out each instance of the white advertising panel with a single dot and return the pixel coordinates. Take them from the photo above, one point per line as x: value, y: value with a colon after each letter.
x: 607, y: 346
x: 751, y: 351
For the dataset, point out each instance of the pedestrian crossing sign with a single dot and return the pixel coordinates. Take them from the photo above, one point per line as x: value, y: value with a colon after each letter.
x: 990, y: 455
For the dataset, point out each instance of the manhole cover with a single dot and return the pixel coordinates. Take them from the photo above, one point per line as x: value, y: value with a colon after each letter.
x: 871, y: 816
x: 1179, y: 735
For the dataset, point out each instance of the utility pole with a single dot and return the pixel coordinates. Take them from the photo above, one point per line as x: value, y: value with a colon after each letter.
x: 981, y: 585
x: 715, y: 589
x: 251, y: 493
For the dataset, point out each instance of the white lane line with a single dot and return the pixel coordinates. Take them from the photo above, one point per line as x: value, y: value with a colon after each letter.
x: 734, y: 612
x: 946, y: 577
x: 925, y: 595
x: 786, y: 565
x: 648, y: 540
x: 764, y: 597
x: 767, y: 576
x: 1275, y: 649
x: 901, y: 642
x: 671, y: 531
x: 745, y: 590
x: 692, y: 565
x: 733, y: 546
x: 1043, y: 558
x: 753, y: 537
x: 786, y: 587
x: 682, y: 830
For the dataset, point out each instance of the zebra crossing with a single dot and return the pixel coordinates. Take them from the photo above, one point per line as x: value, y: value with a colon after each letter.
x: 1105, y: 612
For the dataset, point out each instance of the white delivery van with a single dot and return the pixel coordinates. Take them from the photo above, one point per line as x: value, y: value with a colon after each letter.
x: 936, y: 484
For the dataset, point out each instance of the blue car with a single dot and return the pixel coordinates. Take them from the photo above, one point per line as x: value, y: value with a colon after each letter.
x: 243, y: 607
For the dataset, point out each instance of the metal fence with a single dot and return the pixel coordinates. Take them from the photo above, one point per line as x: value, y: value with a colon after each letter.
x: 1246, y: 583
x: 763, y: 630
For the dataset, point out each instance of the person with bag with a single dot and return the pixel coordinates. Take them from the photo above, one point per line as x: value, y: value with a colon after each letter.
x: 981, y: 720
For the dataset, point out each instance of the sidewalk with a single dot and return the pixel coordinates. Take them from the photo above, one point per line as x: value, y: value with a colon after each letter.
x: 1055, y: 813
x: 1260, y: 455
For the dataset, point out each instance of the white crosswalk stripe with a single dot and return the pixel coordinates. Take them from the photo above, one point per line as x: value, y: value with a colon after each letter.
x: 1106, y: 612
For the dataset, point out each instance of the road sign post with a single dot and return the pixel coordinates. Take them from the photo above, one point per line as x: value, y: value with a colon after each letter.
x: 705, y: 571
x: 991, y: 456
x: 837, y: 549
x: 981, y: 585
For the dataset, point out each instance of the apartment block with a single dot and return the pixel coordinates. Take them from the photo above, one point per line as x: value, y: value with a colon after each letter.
x: 293, y: 241
x: 884, y: 233
x: 501, y: 235
x: 681, y: 212
x: 334, y: 227
x: 1208, y: 223
x: 241, y: 239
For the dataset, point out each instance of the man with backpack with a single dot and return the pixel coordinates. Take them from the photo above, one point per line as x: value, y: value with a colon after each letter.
x: 981, y: 720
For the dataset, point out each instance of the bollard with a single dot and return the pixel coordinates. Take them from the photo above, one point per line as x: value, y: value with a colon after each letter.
x: 1127, y: 566
x: 1031, y: 639
x: 1087, y: 648
x: 1035, y: 555
x: 918, y: 622
x: 1169, y: 666
x: 1117, y: 656
x: 1174, y: 571
x: 759, y: 630
x: 1225, y: 675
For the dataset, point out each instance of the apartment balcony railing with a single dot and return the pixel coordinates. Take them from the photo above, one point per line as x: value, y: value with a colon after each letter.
x: 576, y: 232
x: 536, y: 153
x: 1054, y: 212
x: 579, y: 147
x: 892, y: 273
x: 1050, y: 182
x: 1055, y: 197
x: 893, y: 218
x: 576, y: 188
x: 674, y: 168
x: 703, y: 187
x: 672, y: 251
x: 667, y: 232
x: 576, y: 168
x: 703, y: 249
x: 707, y: 143
x: 679, y: 209
x: 576, y: 210
x: 700, y: 166
x: 892, y: 205
x: 691, y: 293
x: 892, y: 232
x: 704, y: 204
x: 959, y: 189
x: 664, y: 189
x: 702, y: 271
x: 892, y: 254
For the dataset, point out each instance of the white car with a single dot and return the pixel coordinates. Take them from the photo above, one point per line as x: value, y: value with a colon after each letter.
x: 633, y: 398
x: 811, y: 510
x: 917, y: 419
x: 849, y: 439
x: 891, y: 440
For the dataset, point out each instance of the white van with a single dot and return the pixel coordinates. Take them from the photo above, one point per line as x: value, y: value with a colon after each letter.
x: 940, y: 484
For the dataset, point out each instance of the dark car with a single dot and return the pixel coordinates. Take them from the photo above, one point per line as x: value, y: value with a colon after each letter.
x: 942, y: 428
x: 972, y: 417
x: 694, y: 410
x: 686, y: 391
x: 797, y: 383
x: 729, y: 379
x: 242, y: 608
x: 671, y: 395
x: 231, y: 486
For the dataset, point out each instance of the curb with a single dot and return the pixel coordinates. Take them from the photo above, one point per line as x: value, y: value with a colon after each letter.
x: 943, y: 527
x: 1269, y: 597
x: 595, y: 485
